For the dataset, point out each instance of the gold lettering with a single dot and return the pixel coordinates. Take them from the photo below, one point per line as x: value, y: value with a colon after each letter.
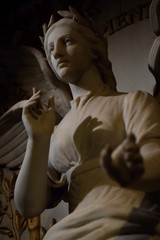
x: 132, y: 16
x: 135, y: 15
x: 108, y: 28
x: 120, y: 22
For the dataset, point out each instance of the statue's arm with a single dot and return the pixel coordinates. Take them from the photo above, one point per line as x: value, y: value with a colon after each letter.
x: 135, y: 163
x: 32, y: 192
x: 145, y: 123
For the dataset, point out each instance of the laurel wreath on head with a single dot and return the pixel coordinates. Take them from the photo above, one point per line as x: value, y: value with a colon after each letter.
x: 76, y: 16
x: 103, y: 64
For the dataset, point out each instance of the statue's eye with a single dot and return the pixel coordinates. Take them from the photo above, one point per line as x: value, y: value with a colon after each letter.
x: 67, y: 41
x: 51, y: 49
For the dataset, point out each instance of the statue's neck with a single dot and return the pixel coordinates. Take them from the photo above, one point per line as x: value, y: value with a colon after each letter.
x: 90, y: 81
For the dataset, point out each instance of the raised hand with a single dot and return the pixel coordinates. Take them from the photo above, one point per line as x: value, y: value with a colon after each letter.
x: 125, y: 163
x: 38, y: 120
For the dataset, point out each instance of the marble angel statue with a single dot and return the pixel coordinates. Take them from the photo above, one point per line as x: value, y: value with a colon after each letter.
x: 103, y: 157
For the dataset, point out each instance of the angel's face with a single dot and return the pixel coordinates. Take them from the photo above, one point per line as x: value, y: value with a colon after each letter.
x: 69, y: 53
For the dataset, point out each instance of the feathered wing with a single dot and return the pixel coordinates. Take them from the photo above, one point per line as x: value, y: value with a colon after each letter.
x: 21, y: 69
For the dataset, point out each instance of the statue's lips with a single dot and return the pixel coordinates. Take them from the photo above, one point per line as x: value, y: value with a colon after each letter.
x: 62, y: 64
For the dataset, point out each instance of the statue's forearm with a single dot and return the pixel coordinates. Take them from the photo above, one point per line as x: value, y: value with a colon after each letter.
x: 31, y: 190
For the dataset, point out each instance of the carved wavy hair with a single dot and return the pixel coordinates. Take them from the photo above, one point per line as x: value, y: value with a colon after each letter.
x: 92, y: 32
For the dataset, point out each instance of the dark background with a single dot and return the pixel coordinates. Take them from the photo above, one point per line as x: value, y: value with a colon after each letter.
x: 21, y: 21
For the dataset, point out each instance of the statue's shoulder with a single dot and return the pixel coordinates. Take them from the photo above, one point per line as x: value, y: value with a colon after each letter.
x: 139, y: 96
x: 140, y: 100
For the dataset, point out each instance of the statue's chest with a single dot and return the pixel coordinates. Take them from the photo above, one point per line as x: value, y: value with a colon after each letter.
x: 84, y: 131
x: 93, y: 124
